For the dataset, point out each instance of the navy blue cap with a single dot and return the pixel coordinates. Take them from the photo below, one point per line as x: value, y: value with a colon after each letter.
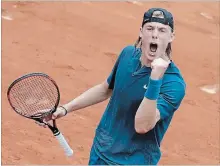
x: 158, y: 15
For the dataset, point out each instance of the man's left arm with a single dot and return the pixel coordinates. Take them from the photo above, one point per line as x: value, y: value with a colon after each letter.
x: 151, y: 110
x: 154, y: 105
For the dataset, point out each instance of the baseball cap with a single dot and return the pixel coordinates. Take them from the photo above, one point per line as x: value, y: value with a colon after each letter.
x: 158, y: 15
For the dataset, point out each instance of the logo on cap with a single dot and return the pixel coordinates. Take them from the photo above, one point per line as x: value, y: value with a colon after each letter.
x: 158, y: 14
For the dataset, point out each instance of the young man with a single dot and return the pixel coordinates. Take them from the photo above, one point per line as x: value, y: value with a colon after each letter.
x: 146, y: 88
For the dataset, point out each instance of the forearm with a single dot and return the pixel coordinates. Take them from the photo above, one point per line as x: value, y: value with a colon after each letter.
x: 145, y: 117
x: 90, y: 97
x: 147, y: 114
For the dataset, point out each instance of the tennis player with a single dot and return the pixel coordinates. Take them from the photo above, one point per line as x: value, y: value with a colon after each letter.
x: 146, y: 88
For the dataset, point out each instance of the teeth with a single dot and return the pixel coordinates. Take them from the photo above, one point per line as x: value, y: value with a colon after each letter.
x: 152, y: 54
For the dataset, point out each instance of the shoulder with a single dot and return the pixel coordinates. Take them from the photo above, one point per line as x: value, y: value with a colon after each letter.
x: 127, y: 50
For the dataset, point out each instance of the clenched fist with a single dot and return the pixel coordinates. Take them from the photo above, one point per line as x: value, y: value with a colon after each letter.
x: 60, y: 112
x: 159, y: 67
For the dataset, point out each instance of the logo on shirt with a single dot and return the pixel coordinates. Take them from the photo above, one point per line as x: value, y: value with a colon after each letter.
x: 145, y: 86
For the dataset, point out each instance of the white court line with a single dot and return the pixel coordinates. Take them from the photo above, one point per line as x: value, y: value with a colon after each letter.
x: 136, y: 3
x: 215, y: 37
x: 211, y: 89
x: 7, y: 18
x: 206, y: 15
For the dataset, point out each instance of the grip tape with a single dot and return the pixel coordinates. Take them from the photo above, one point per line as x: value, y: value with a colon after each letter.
x: 68, y: 151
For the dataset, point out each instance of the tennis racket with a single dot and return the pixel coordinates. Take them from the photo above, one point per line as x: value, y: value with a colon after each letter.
x: 36, y: 96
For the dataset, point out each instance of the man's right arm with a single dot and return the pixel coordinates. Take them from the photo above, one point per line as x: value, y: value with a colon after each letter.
x: 97, y: 93
x: 90, y: 97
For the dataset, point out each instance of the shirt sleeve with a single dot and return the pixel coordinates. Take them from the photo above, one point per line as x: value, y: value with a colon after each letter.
x: 170, y: 98
x: 111, y: 77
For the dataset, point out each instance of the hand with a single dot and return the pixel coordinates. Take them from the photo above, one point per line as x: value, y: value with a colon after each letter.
x: 159, y: 67
x: 60, y: 112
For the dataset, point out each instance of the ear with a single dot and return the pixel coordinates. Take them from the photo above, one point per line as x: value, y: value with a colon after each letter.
x: 140, y: 34
x: 172, y: 36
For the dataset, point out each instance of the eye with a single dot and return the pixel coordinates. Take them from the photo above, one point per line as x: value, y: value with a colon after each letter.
x: 162, y: 30
x: 149, y: 28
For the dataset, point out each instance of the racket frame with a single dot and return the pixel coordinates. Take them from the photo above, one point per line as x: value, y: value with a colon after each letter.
x: 37, y: 117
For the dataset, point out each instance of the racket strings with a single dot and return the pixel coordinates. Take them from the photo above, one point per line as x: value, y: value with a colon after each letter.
x: 34, y: 95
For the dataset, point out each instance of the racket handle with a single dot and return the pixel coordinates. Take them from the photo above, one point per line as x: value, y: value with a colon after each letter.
x: 68, y: 151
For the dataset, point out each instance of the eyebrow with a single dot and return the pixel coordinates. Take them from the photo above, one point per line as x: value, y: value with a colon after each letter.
x: 162, y: 28
x: 150, y: 26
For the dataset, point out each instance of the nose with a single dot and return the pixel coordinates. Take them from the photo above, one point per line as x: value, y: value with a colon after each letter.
x: 155, y: 34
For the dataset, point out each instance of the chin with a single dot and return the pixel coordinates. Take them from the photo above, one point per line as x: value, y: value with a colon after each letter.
x: 151, y: 58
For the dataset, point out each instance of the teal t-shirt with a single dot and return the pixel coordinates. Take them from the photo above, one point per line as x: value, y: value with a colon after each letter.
x: 116, y: 141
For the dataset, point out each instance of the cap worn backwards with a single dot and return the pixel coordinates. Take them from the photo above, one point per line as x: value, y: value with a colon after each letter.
x: 158, y: 15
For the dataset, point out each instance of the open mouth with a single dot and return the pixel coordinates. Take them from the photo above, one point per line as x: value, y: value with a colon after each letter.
x: 153, y: 47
